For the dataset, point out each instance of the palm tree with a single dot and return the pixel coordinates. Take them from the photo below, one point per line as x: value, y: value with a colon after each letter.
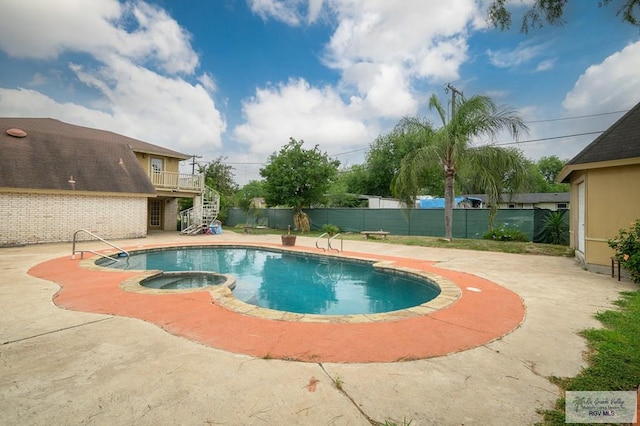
x: 450, y: 147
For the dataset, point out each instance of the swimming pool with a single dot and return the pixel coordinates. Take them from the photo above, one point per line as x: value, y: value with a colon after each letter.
x: 292, y: 282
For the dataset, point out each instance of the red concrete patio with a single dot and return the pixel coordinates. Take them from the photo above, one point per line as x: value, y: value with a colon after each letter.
x: 482, y: 314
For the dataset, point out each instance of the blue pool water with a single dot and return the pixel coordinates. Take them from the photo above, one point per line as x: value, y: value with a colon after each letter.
x: 296, y: 283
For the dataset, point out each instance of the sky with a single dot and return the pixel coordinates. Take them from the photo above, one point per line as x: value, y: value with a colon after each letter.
x: 237, y: 78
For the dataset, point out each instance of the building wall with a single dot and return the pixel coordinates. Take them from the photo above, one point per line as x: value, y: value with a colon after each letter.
x: 542, y: 205
x: 30, y: 218
x: 170, y: 164
x: 170, y: 214
x: 612, y: 202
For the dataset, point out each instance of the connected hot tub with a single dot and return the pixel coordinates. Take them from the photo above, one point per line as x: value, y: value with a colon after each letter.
x: 184, y: 280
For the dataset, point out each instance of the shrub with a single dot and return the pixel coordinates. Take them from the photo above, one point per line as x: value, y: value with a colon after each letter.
x: 505, y: 233
x: 556, y: 228
x: 627, y: 249
x: 330, y: 229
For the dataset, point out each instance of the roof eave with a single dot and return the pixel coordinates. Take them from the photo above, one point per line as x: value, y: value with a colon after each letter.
x: 565, y: 173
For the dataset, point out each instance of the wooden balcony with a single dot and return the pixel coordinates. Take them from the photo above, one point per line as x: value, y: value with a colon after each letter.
x: 171, y: 181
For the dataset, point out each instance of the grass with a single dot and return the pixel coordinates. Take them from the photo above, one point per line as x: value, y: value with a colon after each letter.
x: 460, y: 243
x: 614, y: 357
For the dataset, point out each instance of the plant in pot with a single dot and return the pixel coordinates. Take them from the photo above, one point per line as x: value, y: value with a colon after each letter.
x: 288, y: 239
x: 301, y: 222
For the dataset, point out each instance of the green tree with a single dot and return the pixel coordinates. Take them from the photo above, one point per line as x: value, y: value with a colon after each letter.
x: 245, y: 197
x: 219, y: 176
x: 298, y: 178
x: 542, y: 175
x: 550, y: 167
x: 552, y: 12
x: 344, y: 190
x: 383, y: 161
x: 450, y: 148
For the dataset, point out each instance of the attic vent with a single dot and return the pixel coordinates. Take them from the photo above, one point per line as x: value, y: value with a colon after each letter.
x: 16, y: 133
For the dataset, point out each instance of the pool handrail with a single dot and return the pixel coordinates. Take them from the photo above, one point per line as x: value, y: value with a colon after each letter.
x: 74, y: 251
x: 341, y: 243
x: 318, y: 239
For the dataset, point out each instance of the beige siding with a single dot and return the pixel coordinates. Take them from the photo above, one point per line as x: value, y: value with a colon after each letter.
x: 44, y: 218
x: 171, y: 164
x: 612, y: 202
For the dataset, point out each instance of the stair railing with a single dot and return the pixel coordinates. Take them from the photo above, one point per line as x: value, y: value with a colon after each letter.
x: 318, y: 240
x: 123, y: 252
x: 341, y: 243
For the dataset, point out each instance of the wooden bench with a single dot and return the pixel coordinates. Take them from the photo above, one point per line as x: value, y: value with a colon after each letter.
x: 382, y: 234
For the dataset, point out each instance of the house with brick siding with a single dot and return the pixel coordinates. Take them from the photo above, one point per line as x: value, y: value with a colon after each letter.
x: 57, y: 178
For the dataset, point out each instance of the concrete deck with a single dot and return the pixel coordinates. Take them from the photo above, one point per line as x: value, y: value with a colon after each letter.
x: 60, y: 366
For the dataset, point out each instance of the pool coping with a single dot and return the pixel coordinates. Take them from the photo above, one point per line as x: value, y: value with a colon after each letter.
x: 223, y: 293
x: 483, y: 312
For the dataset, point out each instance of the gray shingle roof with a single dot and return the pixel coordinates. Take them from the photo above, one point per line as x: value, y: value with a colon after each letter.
x: 621, y: 140
x: 53, y: 152
x: 531, y: 197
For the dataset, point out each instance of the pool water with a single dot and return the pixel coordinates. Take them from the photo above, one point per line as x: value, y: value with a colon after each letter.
x: 296, y: 283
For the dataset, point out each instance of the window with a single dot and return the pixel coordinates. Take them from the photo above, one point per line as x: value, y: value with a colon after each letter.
x: 157, y: 167
x: 512, y: 205
x: 561, y: 206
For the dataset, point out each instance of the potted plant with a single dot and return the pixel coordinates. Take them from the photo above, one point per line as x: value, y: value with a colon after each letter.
x: 288, y: 239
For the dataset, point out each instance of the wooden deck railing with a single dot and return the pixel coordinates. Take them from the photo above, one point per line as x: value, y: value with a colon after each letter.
x: 177, y: 181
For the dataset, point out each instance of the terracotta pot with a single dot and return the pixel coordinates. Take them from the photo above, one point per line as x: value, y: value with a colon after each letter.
x: 288, y: 240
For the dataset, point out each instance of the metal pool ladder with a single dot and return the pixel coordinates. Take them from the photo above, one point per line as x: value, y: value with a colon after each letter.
x: 329, y: 239
x: 122, y: 252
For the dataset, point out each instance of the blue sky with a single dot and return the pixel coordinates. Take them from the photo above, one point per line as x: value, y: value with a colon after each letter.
x: 237, y: 78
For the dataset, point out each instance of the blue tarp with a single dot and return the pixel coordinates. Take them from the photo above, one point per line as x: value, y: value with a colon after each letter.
x: 438, y: 203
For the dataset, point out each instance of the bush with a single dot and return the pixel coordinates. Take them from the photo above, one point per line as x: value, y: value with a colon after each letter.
x: 556, y: 228
x: 505, y: 233
x: 627, y: 249
x: 330, y: 229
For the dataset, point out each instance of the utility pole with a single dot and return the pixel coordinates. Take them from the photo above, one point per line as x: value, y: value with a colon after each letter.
x: 193, y: 163
x: 454, y: 91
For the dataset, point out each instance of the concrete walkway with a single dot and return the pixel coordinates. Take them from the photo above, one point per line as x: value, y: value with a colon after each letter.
x: 65, y: 367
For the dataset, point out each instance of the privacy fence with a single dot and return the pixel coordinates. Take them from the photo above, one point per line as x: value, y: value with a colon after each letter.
x: 467, y: 223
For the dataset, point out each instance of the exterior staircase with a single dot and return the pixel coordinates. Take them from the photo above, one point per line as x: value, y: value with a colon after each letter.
x: 204, y: 212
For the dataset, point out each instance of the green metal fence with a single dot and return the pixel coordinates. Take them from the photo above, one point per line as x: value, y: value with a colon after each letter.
x: 467, y: 223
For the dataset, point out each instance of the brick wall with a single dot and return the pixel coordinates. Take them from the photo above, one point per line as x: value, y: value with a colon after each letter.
x: 49, y: 218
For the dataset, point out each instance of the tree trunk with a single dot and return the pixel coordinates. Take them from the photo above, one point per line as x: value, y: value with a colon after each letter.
x: 449, y: 200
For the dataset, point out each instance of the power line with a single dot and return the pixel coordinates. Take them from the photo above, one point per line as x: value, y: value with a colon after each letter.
x: 549, y: 138
x: 576, y: 117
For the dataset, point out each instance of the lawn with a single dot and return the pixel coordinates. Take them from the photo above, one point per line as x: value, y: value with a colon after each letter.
x: 457, y: 243
x: 614, y: 360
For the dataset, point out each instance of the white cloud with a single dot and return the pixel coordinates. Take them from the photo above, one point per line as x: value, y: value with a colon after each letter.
x: 295, y: 109
x: 96, y: 28
x: 284, y: 11
x: 138, y: 74
x: 611, y: 85
x: 315, y: 9
x: 524, y: 53
x: 31, y: 103
x: 546, y: 65
x: 381, y: 49
x: 174, y: 111
x: 290, y: 12
x: 382, y: 31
